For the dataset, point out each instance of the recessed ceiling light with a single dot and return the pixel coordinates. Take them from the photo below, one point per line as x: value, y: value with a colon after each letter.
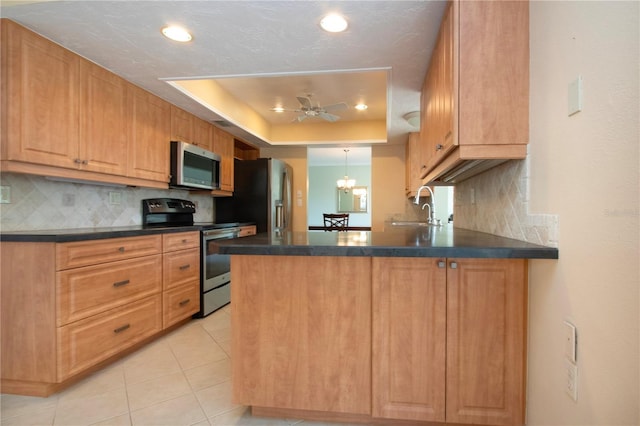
x: 333, y: 23
x: 176, y: 33
x: 361, y: 107
x: 277, y: 109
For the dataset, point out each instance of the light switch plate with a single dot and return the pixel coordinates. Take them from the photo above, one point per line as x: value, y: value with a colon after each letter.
x: 575, y: 96
x: 570, y: 341
x: 572, y: 379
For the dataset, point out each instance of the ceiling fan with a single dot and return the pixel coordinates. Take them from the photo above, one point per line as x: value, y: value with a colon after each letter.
x: 307, y: 109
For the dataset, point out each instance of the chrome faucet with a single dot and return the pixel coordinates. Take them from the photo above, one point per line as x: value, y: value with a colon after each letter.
x: 432, y: 207
x: 429, y: 215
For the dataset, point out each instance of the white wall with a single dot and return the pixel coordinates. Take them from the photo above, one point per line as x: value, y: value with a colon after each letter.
x: 585, y: 169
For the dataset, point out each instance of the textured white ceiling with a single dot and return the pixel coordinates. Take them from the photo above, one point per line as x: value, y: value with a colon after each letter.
x: 249, y: 38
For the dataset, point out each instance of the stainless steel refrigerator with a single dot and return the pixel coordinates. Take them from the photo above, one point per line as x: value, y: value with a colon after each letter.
x: 262, y: 194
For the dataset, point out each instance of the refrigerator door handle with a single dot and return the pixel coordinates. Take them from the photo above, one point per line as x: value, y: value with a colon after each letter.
x: 286, y: 199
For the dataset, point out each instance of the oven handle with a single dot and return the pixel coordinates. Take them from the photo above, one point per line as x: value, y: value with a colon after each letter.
x: 225, y: 234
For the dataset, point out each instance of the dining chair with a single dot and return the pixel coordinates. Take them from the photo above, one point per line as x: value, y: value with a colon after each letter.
x: 336, y: 221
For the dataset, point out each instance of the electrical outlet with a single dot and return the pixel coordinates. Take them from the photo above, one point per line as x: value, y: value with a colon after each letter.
x: 5, y: 194
x: 572, y: 379
x: 115, y: 197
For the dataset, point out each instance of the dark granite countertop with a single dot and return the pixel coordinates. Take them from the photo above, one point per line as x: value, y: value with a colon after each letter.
x: 403, y: 241
x: 83, y: 234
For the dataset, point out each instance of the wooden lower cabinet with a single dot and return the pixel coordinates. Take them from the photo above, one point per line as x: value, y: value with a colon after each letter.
x: 68, y: 307
x: 447, y: 338
x: 486, y: 341
x: 302, y: 332
x: 181, y: 276
x: 409, y: 338
x: 85, y: 343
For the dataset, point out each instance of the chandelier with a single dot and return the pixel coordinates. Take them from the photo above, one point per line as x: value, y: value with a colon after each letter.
x: 346, y: 183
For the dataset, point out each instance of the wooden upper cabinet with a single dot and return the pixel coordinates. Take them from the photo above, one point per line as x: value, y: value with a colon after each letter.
x: 188, y: 128
x: 475, y: 96
x: 150, y: 136
x: 223, y: 145
x: 409, y: 338
x: 493, y: 67
x: 104, y: 120
x: 486, y: 341
x: 413, y: 164
x: 202, y: 134
x: 40, y: 99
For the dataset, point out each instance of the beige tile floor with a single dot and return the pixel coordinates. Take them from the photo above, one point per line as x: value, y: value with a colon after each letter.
x: 183, y: 378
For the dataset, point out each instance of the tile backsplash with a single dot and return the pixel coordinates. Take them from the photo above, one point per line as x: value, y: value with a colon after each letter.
x: 497, y: 202
x: 39, y: 203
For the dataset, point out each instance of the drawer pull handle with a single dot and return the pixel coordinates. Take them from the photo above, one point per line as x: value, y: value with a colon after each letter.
x: 184, y: 302
x: 183, y: 267
x: 122, y: 328
x: 121, y: 283
x: 185, y: 241
x: 121, y: 249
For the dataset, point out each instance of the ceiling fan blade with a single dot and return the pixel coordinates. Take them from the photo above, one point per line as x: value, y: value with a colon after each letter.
x: 339, y: 106
x: 305, y: 102
x: 300, y: 118
x: 329, y: 117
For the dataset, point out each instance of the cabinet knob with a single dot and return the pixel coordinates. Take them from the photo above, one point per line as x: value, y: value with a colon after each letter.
x: 441, y: 264
x: 454, y: 265
x: 77, y: 161
x: 439, y: 147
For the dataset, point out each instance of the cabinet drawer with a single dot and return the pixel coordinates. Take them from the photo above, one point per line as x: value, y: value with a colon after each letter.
x: 85, y: 253
x: 181, y: 241
x: 181, y: 267
x: 245, y: 231
x: 85, y: 343
x: 180, y: 302
x: 87, y: 291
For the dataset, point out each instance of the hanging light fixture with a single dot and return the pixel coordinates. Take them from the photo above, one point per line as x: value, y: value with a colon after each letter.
x: 346, y: 183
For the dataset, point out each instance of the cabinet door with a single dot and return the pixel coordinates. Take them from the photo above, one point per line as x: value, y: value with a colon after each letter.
x: 493, y: 72
x: 413, y: 163
x: 409, y: 338
x: 181, y: 125
x: 104, y: 120
x: 85, y: 343
x: 223, y: 146
x: 202, y: 134
x: 150, y: 136
x: 306, y: 332
x: 40, y: 109
x: 486, y: 341
x: 180, y: 267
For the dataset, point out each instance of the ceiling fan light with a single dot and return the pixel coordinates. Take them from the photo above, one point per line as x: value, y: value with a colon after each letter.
x: 176, y: 33
x: 334, y: 23
x: 277, y: 109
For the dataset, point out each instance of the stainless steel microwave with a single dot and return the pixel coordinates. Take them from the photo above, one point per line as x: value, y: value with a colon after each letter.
x: 193, y: 167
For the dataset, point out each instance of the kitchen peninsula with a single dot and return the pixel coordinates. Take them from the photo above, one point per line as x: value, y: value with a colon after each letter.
x: 414, y: 323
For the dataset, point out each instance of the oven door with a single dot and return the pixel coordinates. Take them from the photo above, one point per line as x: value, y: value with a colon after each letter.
x: 216, y: 271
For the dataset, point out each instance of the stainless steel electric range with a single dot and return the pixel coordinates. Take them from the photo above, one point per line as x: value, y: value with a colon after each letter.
x: 215, y: 281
